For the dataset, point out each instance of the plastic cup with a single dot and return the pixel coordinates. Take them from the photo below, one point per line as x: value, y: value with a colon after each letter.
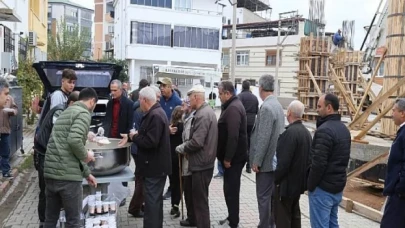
x: 92, y: 207
x: 106, y: 206
x: 99, y: 207
x: 113, y: 206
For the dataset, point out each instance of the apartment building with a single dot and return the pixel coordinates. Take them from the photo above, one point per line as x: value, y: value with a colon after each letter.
x: 256, y: 48
x: 175, y: 38
x: 103, y: 29
x: 73, y: 14
x: 37, y: 28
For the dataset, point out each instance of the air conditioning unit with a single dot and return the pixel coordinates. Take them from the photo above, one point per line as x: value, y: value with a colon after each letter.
x: 32, y: 39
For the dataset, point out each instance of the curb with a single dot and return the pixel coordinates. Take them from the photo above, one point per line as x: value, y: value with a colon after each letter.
x: 5, y: 185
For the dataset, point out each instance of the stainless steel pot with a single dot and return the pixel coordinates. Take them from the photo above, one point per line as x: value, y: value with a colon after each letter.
x: 110, y: 159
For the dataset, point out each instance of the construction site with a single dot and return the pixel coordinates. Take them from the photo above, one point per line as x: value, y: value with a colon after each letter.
x: 351, y: 75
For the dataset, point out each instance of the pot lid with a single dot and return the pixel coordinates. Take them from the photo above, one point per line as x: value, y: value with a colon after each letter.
x: 89, y: 74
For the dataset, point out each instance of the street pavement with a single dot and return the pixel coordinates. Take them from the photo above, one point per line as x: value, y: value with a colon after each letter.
x: 25, y: 213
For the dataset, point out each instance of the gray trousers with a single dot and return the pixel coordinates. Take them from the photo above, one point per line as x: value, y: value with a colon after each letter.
x: 63, y: 194
x: 264, y: 193
x: 153, y: 196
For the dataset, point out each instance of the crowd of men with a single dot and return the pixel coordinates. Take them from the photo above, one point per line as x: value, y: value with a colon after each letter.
x: 169, y: 134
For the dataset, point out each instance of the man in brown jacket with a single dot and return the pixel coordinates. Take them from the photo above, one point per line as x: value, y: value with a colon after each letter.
x: 201, y: 150
x: 8, y: 110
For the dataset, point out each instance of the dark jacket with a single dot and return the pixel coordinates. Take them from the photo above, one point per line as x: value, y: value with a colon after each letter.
x: 169, y: 104
x: 293, y: 149
x: 153, y: 141
x: 176, y: 139
x: 330, y: 155
x: 125, y: 119
x: 395, y: 177
x: 251, y: 104
x: 232, y: 132
x: 202, y: 146
x: 45, y: 130
x: 137, y: 120
x: 135, y: 95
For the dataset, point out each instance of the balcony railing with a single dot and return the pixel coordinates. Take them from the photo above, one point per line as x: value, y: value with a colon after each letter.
x: 199, y: 11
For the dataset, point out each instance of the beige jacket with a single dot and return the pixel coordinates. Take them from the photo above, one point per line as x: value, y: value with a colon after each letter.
x: 5, y: 116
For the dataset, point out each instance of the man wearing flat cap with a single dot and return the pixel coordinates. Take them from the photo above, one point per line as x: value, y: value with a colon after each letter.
x: 201, y: 150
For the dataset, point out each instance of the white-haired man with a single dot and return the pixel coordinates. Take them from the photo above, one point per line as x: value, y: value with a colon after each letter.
x: 293, y: 148
x: 153, y: 161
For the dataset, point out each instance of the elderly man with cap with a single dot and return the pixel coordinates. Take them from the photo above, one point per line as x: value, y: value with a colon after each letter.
x: 168, y: 102
x: 201, y: 150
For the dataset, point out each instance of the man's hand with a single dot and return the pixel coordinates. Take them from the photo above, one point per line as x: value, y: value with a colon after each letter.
x: 123, y: 141
x: 91, y: 136
x: 227, y: 164
x: 173, y: 130
x: 90, y: 156
x: 92, y: 180
x: 255, y: 168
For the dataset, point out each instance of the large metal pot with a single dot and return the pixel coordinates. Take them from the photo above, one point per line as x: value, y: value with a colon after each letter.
x: 110, y: 159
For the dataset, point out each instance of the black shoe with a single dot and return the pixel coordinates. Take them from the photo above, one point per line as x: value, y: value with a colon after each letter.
x: 167, y: 195
x: 248, y: 170
x: 175, y: 212
x: 137, y: 214
x: 223, y: 222
x: 8, y: 176
x: 123, y: 202
x: 187, y: 223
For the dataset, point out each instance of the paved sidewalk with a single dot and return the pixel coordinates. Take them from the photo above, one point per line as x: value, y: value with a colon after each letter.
x: 25, y: 213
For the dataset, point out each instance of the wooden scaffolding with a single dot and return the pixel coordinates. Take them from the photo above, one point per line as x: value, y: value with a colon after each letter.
x: 321, y: 71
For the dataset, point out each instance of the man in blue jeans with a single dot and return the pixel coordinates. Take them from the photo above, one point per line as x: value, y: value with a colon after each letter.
x: 329, y: 158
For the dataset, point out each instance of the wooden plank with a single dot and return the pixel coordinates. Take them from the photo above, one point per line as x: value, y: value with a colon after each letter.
x: 313, y: 80
x: 364, y: 131
x: 370, y: 83
x: 342, y: 90
x: 363, y: 210
x: 376, y: 103
x: 368, y: 165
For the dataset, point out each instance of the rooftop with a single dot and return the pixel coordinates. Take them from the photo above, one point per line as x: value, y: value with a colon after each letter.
x: 67, y: 2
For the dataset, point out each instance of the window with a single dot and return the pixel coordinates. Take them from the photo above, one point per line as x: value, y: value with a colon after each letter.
x: 146, y: 72
x: 183, y: 5
x: 189, y: 81
x: 153, y: 3
x: 49, y: 11
x: 109, y: 7
x: 149, y: 33
x: 181, y: 82
x: 8, y: 40
x: 191, y: 37
x: 271, y: 59
x: 71, y: 12
x: 111, y: 29
x: 86, y: 15
x: 225, y: 59
x: 242, y: 58
x: 223, y: 20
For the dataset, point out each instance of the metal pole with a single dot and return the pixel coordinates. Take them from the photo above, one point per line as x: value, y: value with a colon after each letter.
x: 233, y: 60
x: 277, y: 89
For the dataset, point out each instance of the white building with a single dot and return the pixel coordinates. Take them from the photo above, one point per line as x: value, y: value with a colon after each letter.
x: 256, y: 47
x: 181, y: 36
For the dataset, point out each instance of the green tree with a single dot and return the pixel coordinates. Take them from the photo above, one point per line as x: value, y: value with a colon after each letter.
x: 31, y: 86
x: 123, y: 77
x: 69, y: 42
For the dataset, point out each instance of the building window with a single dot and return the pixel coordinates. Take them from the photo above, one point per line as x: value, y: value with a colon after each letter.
x: 183, y: 5
x: 191, y: 37
x: 154, y: 3
x: 242, y: 58
x: 181, y: 82
x: 146, y: 72
x: 71, y: 12
x: 149, y: 33
x: 8, y: 40
x: 49, y: 12
x: 271, y: 59
x: 111, y: 29
x: 109, y: 7
x: 86, y: 15
x: 225, y: 59
x: 189, y: 81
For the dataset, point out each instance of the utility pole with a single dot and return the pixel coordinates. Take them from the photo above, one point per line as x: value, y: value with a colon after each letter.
x: 233, y: 52
x: 293, y: 16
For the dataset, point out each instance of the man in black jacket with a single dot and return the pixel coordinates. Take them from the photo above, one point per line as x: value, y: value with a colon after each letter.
x: 251, y: 104
x: 153, y: 155
x: 330, y: 155
x: 394, y: 186
x: 40, y: 144
x: 119, y: 116
x: 232, y: 147
x: 293, y: 148
x: 135, y: 94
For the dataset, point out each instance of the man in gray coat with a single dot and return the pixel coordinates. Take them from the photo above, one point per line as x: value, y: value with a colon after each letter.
x: 269, y: 125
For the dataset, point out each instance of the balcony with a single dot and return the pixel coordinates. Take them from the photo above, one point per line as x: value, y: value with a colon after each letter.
x: 198, y: 11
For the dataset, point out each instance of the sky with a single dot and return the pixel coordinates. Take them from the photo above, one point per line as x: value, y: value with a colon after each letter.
x: 361, y: 11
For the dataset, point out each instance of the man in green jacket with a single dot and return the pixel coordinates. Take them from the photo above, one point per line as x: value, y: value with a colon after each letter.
x: 66, y: 161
